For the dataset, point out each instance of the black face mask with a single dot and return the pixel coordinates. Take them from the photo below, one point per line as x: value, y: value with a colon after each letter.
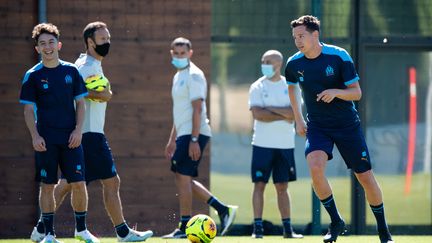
x: 103, y: 49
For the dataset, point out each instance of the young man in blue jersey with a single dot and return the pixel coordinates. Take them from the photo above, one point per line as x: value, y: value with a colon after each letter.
x: 273, y: 141
x: 189, y: 136
x: 54, y: 89
x: 99, y: 162
x: 330, y: 84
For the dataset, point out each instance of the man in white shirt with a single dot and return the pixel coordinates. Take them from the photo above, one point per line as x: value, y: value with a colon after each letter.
x: 273, y: 141
x: 99, y: 162
x: 189, y: 136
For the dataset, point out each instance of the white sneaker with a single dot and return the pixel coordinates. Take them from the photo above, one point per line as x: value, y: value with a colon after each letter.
x: 227, y: 218
x: 50, y: 239
x: 135, y: 236
x: 86, y: 236
x: 36, y: 236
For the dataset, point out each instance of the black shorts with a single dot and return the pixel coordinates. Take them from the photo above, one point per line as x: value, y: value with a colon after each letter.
x: 70, y: 161
x: 181, y: 162
x: 350, y: 142
x: 268, y: 161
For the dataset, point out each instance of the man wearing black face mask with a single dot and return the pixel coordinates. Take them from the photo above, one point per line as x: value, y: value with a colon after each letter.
x: 99, y: 162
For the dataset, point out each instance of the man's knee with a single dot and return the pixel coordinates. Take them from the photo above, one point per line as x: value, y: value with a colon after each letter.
x: 79, y: 187
x: 259, y: 187
x: 111, y: 184
x: 281, y: 188
x: 317, y: 161
x: 47, y: 188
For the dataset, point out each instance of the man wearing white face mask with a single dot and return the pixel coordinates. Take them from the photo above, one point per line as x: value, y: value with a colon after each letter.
x: 273, y: 141
x: 189, y: 136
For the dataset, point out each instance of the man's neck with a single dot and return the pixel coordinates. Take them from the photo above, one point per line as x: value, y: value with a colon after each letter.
x: 93, y: 54
x: 275, y: 77
x: 315, y: 52
x: 51, y: 63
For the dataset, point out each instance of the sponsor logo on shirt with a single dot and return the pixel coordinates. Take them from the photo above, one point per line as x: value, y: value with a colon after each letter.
x: 301, y: 78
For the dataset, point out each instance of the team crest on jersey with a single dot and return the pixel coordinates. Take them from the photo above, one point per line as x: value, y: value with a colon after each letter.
x: 68, y: 79
x: 301, y: 77
x: 329, y: 71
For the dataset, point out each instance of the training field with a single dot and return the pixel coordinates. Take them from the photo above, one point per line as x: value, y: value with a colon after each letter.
x: 270, y: 239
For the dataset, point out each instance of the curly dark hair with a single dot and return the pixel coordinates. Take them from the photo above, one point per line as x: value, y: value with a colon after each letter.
x: 45, y: 28
x: 311, y: 22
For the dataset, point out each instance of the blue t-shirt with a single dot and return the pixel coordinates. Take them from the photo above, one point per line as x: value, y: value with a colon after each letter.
x: 332, y: 69
x: 53, y: 92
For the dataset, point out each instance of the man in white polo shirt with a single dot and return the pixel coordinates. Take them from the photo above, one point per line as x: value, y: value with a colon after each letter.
x: 189, y: 136
x: 273, y: 141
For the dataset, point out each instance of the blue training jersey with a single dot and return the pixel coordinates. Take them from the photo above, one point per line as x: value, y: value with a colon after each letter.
x: 332, y: 69
x: 53, y: 92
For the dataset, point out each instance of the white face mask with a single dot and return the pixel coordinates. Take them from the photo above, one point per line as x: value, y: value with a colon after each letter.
x: 267, y: 70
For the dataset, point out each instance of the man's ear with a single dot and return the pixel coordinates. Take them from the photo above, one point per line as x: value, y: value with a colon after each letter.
x: 190, y: 53
x: 59, y: 45
x: 37, y: 49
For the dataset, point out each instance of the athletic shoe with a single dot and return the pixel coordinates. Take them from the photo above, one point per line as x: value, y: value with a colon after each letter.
x: 50, y: 239
x: 227, y: 218
x: 176, y: 234
x: 258, y: 232
x: 86, y: 236
x: 36, y: 236
x: 335, y: 229
x: 291, y: 234
x: 385, y: 236
x: 135, y: 236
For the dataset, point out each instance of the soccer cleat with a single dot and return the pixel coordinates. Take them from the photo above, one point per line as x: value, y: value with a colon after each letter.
x: 135, y: 236
x: 36, y: 236
x: 258, y: 232
x: 291, y: 234
x: 335, y: 229
x: 227, y: 218
x: 385, y: 236
x: 86, y: 237
x: 50, y: 239
x: 176, y: 234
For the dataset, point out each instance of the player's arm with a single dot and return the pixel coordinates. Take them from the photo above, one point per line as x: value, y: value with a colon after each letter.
x: 29, y: 117
x: 171, y: 145
x: 265, y: 115
x: 286, y: 112
x: 194, y: 149
x: 351, y: 93
x: 103, y: 96
x: 76, y: 135
x: 295, y: 98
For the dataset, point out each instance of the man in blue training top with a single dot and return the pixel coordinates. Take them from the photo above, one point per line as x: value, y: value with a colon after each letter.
x: 330, y: 84
x: 55, y: 88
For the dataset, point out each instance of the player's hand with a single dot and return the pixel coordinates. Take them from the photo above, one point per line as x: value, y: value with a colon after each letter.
x: 75, y: 139
x: 327, y: 95
x: 169, y: 150
x: 194, y: 151
x: 301, y: 128
x: 39, y: 143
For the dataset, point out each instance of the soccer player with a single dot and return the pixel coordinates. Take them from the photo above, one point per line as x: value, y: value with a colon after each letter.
x: 54, y: 88
x: 99, y: 162
x: 273, y: 141
x: 189, y: 136
x: 330, y: 84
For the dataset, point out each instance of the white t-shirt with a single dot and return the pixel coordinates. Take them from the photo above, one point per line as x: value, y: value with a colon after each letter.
x: 94, y: 119
x: 188, y: 85
x: 276, y: 134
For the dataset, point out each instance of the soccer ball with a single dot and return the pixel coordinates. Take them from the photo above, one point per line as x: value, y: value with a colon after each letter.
x: 97, y: 83
x: 201, y: 229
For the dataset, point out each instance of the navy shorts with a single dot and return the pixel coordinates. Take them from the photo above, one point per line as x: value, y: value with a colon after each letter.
x: 99, y: 162
x: 350, y: 142
x: 70, y: 162
x: 268, y: 161
x: 181, y: 162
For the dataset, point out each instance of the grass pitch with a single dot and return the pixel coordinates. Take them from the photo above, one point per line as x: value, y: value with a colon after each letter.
x: 268, y: 239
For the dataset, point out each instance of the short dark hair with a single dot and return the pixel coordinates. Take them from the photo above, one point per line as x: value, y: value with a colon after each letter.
x: 181, y: 41
x: 90, y: 29
x: 311, y: 22
x: 45, y: 28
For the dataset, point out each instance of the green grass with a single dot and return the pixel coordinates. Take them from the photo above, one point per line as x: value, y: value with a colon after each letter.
x: 269, y: 239
x: 401, y: 209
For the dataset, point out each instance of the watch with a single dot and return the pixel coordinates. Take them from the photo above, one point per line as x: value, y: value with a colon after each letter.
x: 194, y: 139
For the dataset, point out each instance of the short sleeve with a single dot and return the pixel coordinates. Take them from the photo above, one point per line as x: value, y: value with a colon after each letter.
x: 197, y: 87
x: 79, y: 89
x: 255, y: 97
x: 28, y: 90
x: 349, y: 73
x: 290, y: 75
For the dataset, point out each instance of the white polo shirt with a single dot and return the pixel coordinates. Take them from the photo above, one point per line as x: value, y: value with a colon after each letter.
x: 188, y: 85
x: 276, y: 134
x: 94, y: 119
